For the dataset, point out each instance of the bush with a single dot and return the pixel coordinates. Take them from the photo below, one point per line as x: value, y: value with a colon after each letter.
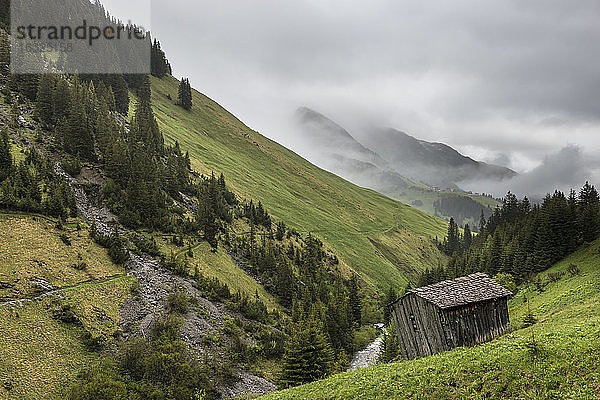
x: 81, y: 266
x: 65, y: 239
x: 146, y: 245
x: 176, y: 266
x: 72, y: 167
x: 66, y: 314
x: 529, y: 319
x: 364, y: 336
x: 117, y: 252
x: 93, y: 342
x: 160, y: 368
x: 555, y: 276
x: 573, y: 270
x: 179, y: 302
x: 507, y: 281
x: 271, y: 343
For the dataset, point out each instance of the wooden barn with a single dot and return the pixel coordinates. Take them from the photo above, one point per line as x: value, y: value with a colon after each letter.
x: 461, y: 312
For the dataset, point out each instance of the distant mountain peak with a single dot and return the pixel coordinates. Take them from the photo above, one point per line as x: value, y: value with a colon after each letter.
x: 326, y: 136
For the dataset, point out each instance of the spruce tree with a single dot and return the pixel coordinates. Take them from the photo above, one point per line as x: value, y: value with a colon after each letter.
x: 308, y: 355
x: 453, y: 241
x: 159, y: 64
x: 44, y: 110
x: 79, y: 139
x: 61, y: 100
x: 355, y: 305
x: 5, y: 155
x: 121, y: 94
x: 4, y: 51
x: 184, y: 95
x: 467, y: 238
x: 589, y: 220
x: 482, y: 223
x: 390, y: 298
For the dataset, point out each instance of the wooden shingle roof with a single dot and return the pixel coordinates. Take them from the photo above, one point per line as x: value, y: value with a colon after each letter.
x: 462, y: 291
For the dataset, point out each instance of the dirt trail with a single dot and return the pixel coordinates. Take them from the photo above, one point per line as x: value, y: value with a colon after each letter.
x: 59, y: 290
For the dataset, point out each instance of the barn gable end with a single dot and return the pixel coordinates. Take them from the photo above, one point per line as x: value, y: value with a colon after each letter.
x: 462, y: 312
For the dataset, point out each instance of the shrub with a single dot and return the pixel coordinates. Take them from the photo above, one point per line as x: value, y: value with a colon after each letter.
x: 176, y: 266
x: 117, y: 251
x: 93, y: 342
x: 555, y: 276
x: 179, y: 302
x: 81, y: 266
x: 146, y: 245
x: 271, y: 343
x: 507, y: 281
x: 72, y: 167
x: 529, y: 319
x: 539, y: 284
x: 66, y: 314
x: 65, y: 239
x: 573, y: 270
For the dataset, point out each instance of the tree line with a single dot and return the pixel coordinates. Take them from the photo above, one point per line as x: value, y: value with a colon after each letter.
x: 461, y: 208
x: 520, y: 238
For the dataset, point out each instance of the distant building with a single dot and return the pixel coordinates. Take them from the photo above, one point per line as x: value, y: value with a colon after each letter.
x: 462, y: 312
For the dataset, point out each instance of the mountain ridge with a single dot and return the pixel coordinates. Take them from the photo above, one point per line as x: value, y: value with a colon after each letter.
x: 365, y: 163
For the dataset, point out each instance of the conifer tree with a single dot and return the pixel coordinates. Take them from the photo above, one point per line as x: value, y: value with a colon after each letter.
x: 355, y: 305
x: 121, y: 94
x: 389, y: 299
x: 308, y: 356
x: 207, y: 220
x: 61, y: 100
x: 15, y: 114
x: 79, y: 138
x: 389, y: 351
x: 44, y: 110
x: 4, y: 52
x: 590, y: 213
x: 5, y: 155
x: 482, y: 222
x: 453, y: 240
x: 158, y: 61
x: 467, y: 238
x: 184, y: 95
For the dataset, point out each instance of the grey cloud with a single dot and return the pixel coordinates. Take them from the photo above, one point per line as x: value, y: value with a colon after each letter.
x: 569, y: 168
x: 507, y: 76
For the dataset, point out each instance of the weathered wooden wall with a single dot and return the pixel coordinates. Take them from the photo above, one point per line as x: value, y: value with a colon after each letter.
x: 419, y: 329
x: 424, y: 329
x: 477, y: 323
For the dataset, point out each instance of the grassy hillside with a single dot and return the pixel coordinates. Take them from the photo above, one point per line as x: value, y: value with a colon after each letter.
x: 564, y: 363
x: 218, y: 265
x: 349, y: 219
x: 39, y: 354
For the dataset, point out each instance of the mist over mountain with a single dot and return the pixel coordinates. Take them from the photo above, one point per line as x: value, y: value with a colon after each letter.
x: 321, y: 135
x: 435, y: 164
x: 381, y: 158
x: 562, y: 170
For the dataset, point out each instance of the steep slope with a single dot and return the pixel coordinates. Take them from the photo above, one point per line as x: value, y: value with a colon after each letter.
x: 559, y: 357
x: 436, y: 164
x: 346, y: 217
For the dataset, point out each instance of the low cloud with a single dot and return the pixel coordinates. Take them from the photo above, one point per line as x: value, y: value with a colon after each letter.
x: 566, y: 169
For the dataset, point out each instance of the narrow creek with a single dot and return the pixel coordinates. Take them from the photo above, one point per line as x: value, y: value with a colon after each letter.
x: 368, y: 356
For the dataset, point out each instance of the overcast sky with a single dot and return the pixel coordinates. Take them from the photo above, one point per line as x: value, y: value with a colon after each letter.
x: 507, y: 81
